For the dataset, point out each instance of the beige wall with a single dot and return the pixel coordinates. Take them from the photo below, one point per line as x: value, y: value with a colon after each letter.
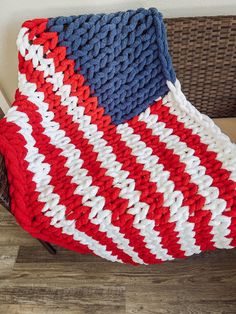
x: 14, y: 12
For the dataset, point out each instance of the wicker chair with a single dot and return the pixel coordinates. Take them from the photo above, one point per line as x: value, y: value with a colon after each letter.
x: 204, y: 55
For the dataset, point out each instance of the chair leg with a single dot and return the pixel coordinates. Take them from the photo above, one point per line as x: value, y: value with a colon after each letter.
x: 48, y: 247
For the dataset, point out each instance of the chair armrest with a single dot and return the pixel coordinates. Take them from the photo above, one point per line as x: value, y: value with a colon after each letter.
x: 4, y: 187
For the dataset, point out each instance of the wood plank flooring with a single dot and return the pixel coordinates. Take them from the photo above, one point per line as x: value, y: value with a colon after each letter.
x: 35, y: 282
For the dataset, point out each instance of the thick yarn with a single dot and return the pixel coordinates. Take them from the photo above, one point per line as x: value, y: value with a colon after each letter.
x: 123, y: 56
x: 95, y: 163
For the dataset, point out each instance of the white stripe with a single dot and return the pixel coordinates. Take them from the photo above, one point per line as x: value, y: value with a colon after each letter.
x: 98, y: 215
x: 172, y: 198
x: 105, y: 155
x: 42, y: 179
x: 216, y: 205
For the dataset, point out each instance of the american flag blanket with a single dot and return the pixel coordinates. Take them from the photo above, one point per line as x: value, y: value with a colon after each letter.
x: 104, y: 153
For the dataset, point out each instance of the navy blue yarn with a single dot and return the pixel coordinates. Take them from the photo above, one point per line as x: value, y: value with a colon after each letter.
x: 123, y: 56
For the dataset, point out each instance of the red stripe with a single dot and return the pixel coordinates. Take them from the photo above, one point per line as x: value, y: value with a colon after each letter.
x: 12, y: 148
x: 181, y: 179
x: 208, y: 159
x: 24, y: 201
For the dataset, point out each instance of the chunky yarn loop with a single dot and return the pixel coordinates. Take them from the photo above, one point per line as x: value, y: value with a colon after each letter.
x: 123, y: 56
x: 104, y: 153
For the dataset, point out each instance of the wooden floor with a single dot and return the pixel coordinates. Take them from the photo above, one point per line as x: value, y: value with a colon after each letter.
x: 32, y: 281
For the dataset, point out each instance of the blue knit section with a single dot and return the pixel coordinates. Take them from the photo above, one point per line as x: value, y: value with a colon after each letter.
x: 123, y: 56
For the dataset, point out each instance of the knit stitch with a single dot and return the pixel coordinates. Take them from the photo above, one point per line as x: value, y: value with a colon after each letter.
x: 104, y: 153
x: 123, y: 57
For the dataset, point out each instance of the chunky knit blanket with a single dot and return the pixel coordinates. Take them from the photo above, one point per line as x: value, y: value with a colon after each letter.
x: 104, y: 153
